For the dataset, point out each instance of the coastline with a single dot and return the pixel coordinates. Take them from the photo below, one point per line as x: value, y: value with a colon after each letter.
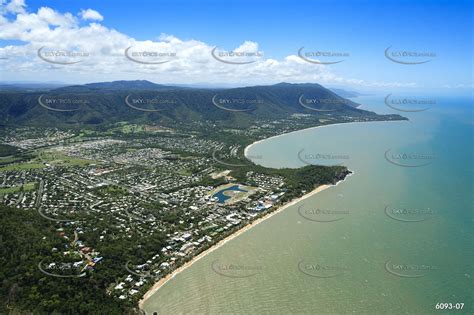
x: 322, y: 126
x: 170, y: 276
x: 158, y: 285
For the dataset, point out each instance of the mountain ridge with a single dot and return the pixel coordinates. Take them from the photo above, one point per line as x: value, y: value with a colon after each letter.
x: 142, y: 101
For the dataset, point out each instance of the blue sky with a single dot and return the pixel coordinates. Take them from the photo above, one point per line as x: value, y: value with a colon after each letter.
x: 362, y: 29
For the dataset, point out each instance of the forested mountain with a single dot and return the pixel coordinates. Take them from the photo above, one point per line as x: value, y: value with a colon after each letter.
x: 144, y: 101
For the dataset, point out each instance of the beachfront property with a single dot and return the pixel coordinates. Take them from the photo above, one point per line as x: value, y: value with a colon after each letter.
x: 83, y: 183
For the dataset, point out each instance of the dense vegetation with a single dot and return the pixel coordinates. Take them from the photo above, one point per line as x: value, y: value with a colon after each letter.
x: 104, y: 103
x: 6, y: 150
x: 25, y: 239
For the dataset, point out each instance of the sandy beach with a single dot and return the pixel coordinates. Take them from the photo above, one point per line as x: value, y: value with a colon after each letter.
x: 164, y: 280
x: 170, y: 276
x: 284, y: 134
x: 301, y: 130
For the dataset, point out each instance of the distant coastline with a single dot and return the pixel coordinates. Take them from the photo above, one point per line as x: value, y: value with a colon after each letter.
x: 321, y: 126
x: 160, y: 283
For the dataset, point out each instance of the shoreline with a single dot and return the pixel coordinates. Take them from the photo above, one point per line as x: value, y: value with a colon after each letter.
x: 322, y: 126
x: 158, y: 285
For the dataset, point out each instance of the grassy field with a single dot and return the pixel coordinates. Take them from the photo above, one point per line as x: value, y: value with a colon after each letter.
x: 132, y: 128
x: 56, y: 158
x: 43, y: 157
x: 185, y: 172
x: 20, y: 167
x: 14, y: 189
x: 9, y: 159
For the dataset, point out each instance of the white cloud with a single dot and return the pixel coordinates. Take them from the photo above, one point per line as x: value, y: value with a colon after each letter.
x: 101, y: 55
x: 15, y: 6
x: 91, y: 15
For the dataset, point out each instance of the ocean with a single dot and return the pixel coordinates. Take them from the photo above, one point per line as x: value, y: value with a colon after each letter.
x: 396, y: 237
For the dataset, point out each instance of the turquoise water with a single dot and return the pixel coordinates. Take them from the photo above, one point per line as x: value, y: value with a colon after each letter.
x: 394, y: 238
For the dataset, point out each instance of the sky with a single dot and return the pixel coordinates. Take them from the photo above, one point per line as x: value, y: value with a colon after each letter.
x: 359, y: 45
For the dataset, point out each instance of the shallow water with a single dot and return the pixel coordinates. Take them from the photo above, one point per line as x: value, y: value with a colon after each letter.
x: 395, y: 237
